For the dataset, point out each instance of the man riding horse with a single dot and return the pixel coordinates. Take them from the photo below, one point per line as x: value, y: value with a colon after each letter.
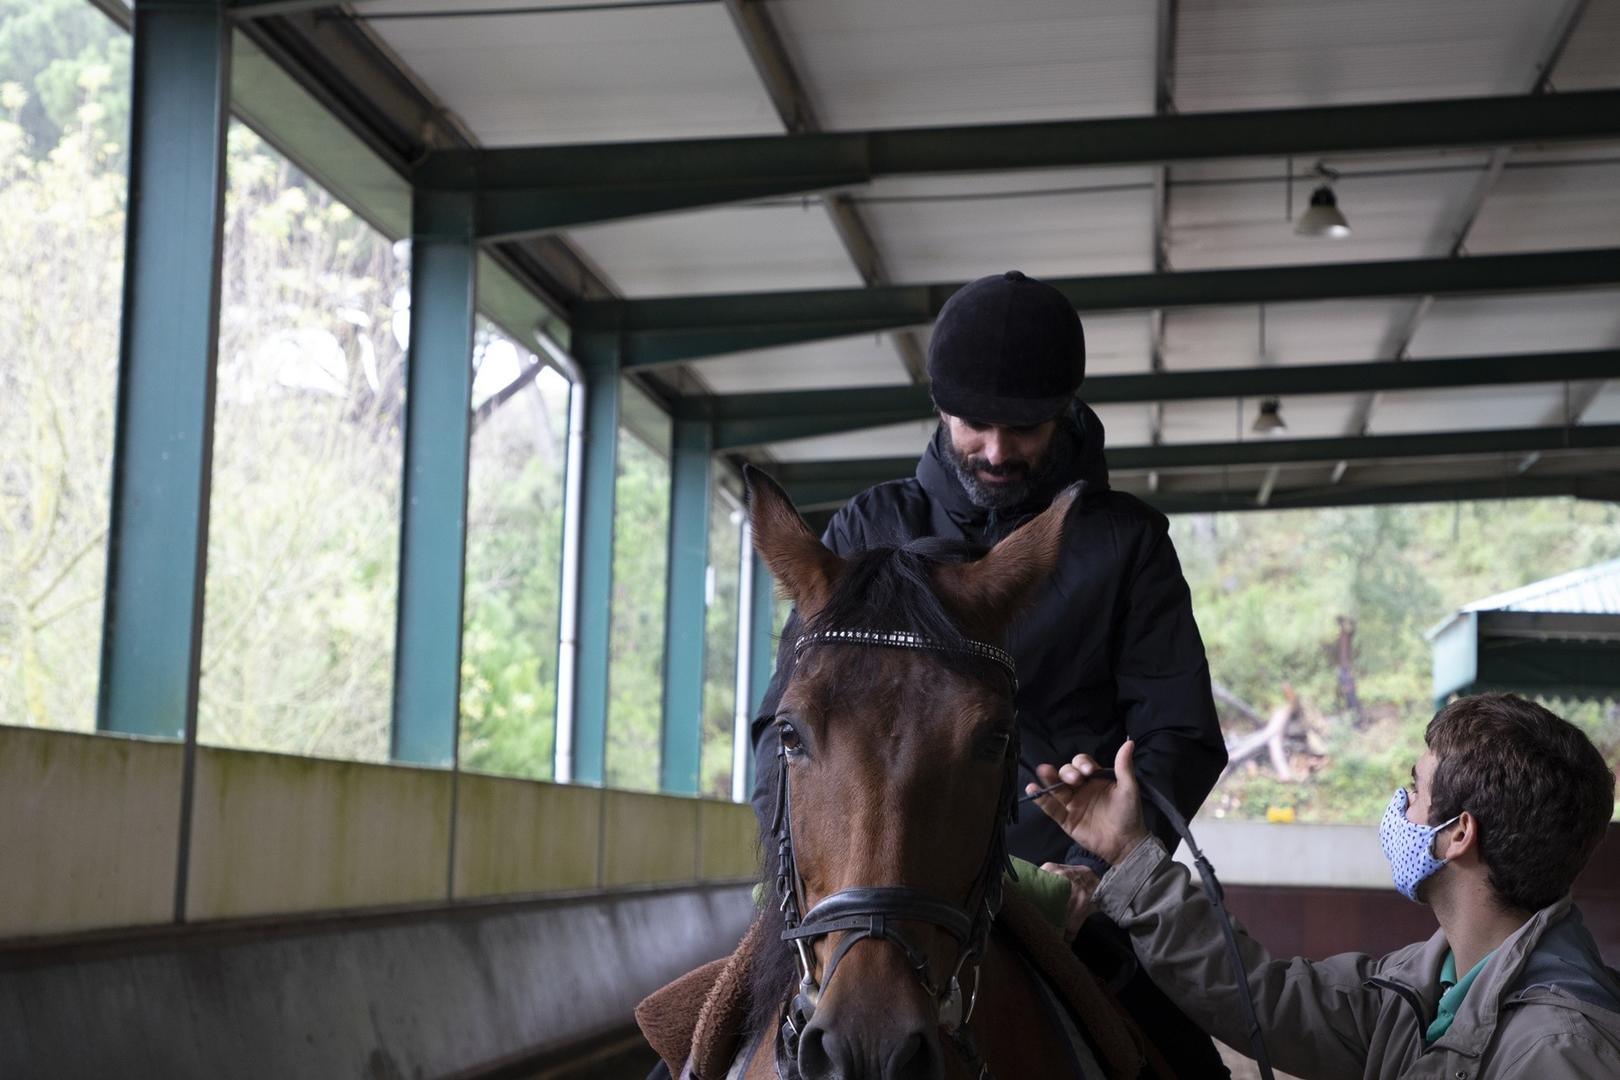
x: 1108, y: 650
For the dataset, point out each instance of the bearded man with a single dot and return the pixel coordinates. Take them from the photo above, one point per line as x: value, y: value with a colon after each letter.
x: 1109, y: 651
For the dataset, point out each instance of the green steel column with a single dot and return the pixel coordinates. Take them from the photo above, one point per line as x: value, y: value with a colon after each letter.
x: 433, y: 527
x: 686, y: 605
x: 168, y: 343
x: 598, y: 356
x: 762, y: 644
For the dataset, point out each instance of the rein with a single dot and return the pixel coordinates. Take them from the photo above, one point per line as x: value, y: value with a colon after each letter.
x: 869, y: 911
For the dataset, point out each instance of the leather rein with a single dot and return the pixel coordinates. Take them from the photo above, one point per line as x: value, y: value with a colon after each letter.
x: 870, y: 912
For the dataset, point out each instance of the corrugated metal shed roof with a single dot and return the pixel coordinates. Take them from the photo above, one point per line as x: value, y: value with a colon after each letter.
x: 1592, y: 590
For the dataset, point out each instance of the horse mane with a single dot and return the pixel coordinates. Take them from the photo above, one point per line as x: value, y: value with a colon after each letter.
x: 884, y: 589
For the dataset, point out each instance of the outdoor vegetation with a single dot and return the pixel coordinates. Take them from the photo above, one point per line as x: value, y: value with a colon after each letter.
x: 1314, y: 620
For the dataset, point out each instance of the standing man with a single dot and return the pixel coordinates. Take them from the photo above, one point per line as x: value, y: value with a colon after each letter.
x: 1110, y: 650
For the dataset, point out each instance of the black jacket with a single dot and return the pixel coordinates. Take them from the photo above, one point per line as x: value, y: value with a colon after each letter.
x: 1109, y: 650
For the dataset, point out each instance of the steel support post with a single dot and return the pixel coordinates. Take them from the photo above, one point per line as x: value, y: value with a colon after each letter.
x: 762, y: 647
x: 743, y: 699
x: 598, y: 358
x: 686, y: 605
x: 433, y: 528
x: 168, y: 343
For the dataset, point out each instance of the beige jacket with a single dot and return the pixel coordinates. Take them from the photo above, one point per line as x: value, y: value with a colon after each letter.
x: 1544, y: 1008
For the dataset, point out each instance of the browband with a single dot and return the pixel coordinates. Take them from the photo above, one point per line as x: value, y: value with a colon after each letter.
x: 904, y: 639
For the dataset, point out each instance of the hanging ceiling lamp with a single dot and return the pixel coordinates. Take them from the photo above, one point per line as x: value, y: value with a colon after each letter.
x: 1270, y: 420
x: 1324, y: 217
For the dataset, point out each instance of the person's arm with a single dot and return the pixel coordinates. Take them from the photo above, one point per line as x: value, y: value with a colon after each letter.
x: 1316, y: 1017
x: 1163, y: 684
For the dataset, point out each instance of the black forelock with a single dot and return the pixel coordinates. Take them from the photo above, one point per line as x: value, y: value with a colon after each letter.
x: 892, y: 588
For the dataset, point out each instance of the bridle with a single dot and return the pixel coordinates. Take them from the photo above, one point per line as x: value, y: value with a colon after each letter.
x: 864, y: 912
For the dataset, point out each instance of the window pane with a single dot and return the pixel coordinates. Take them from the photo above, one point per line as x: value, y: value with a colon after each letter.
x: 636, y: 653
x: 720, y: 649
x: 303, y: 545
x: 514, y: 564
x: 64, y: 107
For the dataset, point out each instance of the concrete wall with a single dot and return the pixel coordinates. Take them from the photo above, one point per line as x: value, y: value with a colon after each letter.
x: 1264, y: 853
x: 414, y: 994
x: 90, y: 835
x: 89, y: 831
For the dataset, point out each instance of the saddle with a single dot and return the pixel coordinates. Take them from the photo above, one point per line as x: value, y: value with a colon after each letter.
x: 696, y: 1023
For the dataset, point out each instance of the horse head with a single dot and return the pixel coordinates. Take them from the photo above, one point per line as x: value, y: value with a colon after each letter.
x: 896, y: 773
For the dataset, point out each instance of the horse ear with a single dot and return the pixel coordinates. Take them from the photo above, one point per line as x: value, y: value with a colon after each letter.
x: 989, y: 593
x: 802, y: 563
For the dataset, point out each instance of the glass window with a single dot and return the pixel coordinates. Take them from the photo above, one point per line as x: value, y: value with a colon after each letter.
x: 720, y: 647
x: 514, y: 562
x: 636, y: 653
x: 64, y: 108
x: 1315, y: 620
x: 303, y: 545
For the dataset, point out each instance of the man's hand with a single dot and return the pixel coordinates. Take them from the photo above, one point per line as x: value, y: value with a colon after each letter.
x: 1099, y: 816
x: 1082, y: 883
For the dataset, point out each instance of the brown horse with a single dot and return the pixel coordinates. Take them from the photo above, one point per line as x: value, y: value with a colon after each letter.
x: 896, y: 776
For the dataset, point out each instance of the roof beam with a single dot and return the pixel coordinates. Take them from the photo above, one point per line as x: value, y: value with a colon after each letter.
x: 672, y: 329
x: 743, y: 420
x: 537, y: 189
x: 1205, y: 502
x: 1517, y: 487
x: 821, y: 482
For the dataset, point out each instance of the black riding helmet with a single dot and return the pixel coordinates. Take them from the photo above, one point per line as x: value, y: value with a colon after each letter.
x: 1006, y: 349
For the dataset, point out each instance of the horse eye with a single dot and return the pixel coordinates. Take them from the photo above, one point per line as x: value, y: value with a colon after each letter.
x: 790, y: 738
x: 994, y: 745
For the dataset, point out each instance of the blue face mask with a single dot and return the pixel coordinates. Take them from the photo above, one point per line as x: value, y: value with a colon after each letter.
x: 1408, y: 846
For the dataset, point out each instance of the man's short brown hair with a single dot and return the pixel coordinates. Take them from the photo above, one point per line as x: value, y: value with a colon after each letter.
x: 1540, y: 791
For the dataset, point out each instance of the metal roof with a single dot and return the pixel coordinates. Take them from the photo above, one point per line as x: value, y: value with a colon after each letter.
x: 422, y: 77
x: 1593, y: 590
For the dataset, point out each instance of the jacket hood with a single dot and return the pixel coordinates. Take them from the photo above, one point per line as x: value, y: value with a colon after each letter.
x: 1083, y: 460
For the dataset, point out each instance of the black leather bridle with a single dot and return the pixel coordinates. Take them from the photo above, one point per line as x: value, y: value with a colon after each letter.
x: 864, y: 911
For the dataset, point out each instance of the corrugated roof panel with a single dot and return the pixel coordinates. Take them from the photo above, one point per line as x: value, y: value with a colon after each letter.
x: 1318, y: 332
x: 1258, y: 54
x: 731, y: 249
x: 906, y: 63
x: 586, y: 76
x: 1309, y: 416
x: 1124, y: 425
x: 1591, y: 60
x: 1591, y: 590
x: 1467, y: 408
x: 1538, y: 206
x: 1605, y: 408
x: 1044, y: 235
x: 869, y: 360
x: 896, y: 440
x: 1395, y: 211
x: 1525, y: 323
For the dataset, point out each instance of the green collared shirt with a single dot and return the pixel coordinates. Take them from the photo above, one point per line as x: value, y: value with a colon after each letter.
x: 1452, y: 992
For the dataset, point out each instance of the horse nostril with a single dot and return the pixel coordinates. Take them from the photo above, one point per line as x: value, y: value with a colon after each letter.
x: 915, y: 1058
x: 823, y: 1055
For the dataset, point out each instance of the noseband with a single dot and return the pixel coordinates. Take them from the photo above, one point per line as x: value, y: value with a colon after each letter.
x: 868, y: 911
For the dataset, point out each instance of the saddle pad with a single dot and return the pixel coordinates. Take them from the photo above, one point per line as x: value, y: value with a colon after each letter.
x: 696, y: 1023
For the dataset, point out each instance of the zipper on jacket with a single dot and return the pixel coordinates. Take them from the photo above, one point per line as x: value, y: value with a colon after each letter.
x: 1406, y: 994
